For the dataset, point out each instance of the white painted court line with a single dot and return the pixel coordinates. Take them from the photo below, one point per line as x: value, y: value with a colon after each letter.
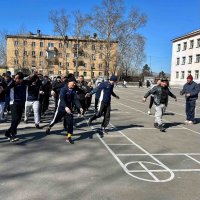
x: 162, y: 154
x: 197, y: 161
x: 120, y: 144
x: 153, y: 116
x: 143, y: 128
x: 163, y: 170
x: 150, y: 173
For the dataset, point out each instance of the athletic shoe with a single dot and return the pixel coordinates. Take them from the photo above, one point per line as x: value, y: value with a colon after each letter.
x: 70, y: 140
x: 25, y: 121
x: 190, y: 122
x: 37, y: 126
x: 162, y: 129
x: 14, y: 139
x: 48, y: 130
x: 149, y: 112
x: 156, y: 125
x: 89, y: 121
x: 104, y: 130
x: 186, y: 121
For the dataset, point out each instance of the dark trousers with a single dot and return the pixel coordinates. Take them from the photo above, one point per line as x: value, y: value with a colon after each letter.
x: 88, y: 101
x: 83, y: 104
x: 103, y: 109
x: 96, y: 103
x: 151, y: 102
x: 68, y: 118
x: 16, y: 115
x: 190, y: 110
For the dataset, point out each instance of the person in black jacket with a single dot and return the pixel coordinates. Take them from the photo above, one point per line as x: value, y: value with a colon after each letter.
x: 17, y: 88
x: 56, y: 87
x: 2, y: 98
x: 191, y: 91
x: 67, y: 99
x: 161, y: 93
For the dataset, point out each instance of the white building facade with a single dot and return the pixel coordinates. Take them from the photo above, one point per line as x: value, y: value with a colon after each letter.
x: 185, y: 58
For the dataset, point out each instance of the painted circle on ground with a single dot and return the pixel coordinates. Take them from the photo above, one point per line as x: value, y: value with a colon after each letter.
x: 149, y: 171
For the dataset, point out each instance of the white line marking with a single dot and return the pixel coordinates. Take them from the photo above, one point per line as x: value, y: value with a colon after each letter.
x: 153, y: 116
x: 164, y: 170
x: 138, y: 128
x: 164, y: 154
x: 193, y: 159
x: 150, y: 173
x: 120, y: 144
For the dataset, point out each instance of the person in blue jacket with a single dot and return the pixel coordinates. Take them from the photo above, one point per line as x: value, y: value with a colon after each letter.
x: 191, y: 91
x: 67, y: 99
x: 104, y: 101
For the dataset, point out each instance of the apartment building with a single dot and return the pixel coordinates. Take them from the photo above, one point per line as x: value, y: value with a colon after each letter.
x: 185, y: 58
x: 56, y: 55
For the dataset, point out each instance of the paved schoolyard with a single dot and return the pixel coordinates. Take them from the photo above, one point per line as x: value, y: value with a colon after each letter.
x: 134, y: 161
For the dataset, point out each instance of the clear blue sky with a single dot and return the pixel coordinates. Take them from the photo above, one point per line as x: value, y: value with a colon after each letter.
x: 167, y: 19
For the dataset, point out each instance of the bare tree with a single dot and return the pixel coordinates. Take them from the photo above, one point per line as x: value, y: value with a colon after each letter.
x: 111, y: 23
x: 60, y: 21
x: 80, y: 22
x: 3, y: 49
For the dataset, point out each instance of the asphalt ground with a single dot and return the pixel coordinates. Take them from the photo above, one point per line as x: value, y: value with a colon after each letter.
x: 134, y: 161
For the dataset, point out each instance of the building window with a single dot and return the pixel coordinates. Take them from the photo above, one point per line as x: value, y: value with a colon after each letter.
x: 92, y: 74
x: 101, y: 46
x: 196, y: 74
x: 190, y: 60
x: 33, y: 44
x: 25, y: 43
x: 76, y: 46
x: 93, y: 47
x: 184, y: 46
x: 93, y: 66
x: 16, y: 53
x: 67, y: 55
x: 16, y: 43
x: 182, y: 74
x: 41, y: 53
x: 100, y: 56
x: 189, y: 72
x: 191, y: 44
x: 85, y: 64
x: 60, y: 55
x: 41, y: 44
x: 67, y: 45
x: 100, y: 66
x: 177, y: 75
x: 84, y: 73
x: 75, y: 55
x: 177, y: 61
x: 60, y: 64
x: 93, y: 57
x: 59, y: 73
x: 67, y: 64
x: 100, y: 73
x: 16, y: 62
x: 33, y: 62
x: 41, y: 63
x: 50, y: 44
x: 198, y: 43
x: 24, y: 63
x: 183, y: 60
x: 33, y: 53
x: 51, y: 72
x: 198, y: 58
x: 25, y: 53
x: 178, y: 47
x: 60, y: 45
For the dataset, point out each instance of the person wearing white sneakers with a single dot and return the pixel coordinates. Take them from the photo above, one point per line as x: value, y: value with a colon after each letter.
x: 190, y: 90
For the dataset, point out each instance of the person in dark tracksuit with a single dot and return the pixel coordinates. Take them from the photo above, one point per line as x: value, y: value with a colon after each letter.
x: 67, y: 99
x: 104, y: 101
x: 17, y: 88
x: 56, y: 87
x: 190, y: 90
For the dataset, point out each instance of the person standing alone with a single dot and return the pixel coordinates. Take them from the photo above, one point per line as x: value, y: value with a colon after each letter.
x: 190, y: 90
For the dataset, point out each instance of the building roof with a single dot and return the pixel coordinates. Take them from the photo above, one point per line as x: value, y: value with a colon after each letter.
x: 51, y: 37
x: 188, y: 35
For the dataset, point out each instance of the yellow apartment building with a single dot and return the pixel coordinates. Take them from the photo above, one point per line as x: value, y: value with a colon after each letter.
x: 56, y: 55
